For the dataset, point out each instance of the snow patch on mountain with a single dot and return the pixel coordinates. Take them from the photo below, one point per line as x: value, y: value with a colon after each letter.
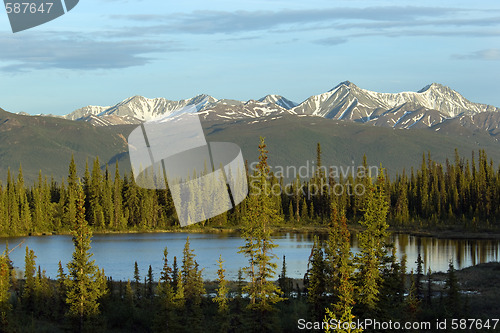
x: 428, y: 107
x: 278, y: 100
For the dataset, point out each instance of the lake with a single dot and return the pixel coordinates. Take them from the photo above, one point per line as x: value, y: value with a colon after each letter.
x: 116, y: 253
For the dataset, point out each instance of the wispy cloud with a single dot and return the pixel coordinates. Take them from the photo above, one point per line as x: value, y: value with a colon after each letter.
x: 435, y: 22
x: 72, y: 51
x: 210, y: 22
x: 343, y: 24
x: 488, y: 54
x: 136, y: 40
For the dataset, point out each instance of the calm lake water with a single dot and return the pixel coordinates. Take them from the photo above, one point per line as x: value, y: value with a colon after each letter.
x: 116, y: 253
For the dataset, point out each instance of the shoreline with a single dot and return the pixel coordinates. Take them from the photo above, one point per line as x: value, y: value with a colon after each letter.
x: 317, y: 229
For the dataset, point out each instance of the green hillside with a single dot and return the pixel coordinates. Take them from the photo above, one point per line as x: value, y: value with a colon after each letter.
x: 292, y: 141
x: 45, y: 143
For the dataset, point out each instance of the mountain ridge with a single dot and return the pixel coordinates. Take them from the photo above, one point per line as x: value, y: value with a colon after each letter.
x: 346, y: 101
x: 47, y: 143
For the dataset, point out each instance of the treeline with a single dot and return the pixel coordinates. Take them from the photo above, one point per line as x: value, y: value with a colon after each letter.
x: 465, y: 193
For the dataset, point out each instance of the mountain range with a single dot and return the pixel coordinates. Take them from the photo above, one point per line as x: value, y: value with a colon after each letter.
x: 392, y: 129
x: 434, y: 106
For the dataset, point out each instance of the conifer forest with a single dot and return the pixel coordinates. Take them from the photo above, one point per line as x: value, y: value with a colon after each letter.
x: 340, y: 286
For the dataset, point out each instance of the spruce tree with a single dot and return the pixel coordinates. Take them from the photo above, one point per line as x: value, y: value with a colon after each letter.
x: 261, y: 211
x: 372, y: 243
x: 149, y: 284
x: 25, y: 222
x: 107, y: 202
x: 129, y: 295
x: 412, y: 301
x: 175, y: 273
x: 43, y: 295
x: 72, y: 175
x: 284, y: 282
x: 119, y: 221
x: 28, y: 296
x: 316, y: 282
x: 258, y: 242
x: 96, y: 214
x: 453, y: 302
x: 5, y: 306
x: 418, y: 281
x: 341, y: 311
x: 333, y: 256
x: 85, y: 284
x: 61, y: 289
x: 165, y: 316
x: 189, y: 273
x: 222, y: 299
x: 137, y: 281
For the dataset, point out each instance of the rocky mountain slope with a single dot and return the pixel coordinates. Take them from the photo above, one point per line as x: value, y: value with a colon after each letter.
x: 431, y: 106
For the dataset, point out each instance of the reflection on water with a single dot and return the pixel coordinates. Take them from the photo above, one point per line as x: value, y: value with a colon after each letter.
x: 437, y: 253
x: 116, y: 253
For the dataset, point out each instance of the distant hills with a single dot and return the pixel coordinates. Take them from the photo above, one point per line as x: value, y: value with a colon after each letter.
x: 392, y: 129
x: 46, y: 144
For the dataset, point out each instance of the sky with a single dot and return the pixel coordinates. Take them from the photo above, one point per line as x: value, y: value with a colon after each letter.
x: 104, y: 51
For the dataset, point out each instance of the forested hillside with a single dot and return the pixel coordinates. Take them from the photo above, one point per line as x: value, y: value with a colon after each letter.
x: 464, y: 193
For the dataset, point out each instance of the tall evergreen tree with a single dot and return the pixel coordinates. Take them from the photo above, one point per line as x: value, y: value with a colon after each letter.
x: 61, y: 290
x: 372, y: 243
x: 165, y: 317
x: 258, y: 242
x: 189, y: 273
x: 418, y: 280
x: 119, y: 221
x: 85, y: 284
x: 222, y: 298
x: 72, y: 175
x: 175, y: 273
x: 316, y: 282
x: 137, y: 281
x: 261, y: 210
x: 5, y: 306
x: 341, y: 311
x: 284, y: 282
x: 149, y: 283
x: 453, y: 302
x: 96, y: 213
x: 28, y: 296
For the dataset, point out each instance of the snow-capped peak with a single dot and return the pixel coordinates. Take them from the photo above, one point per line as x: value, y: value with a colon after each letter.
x: 429, y: 106
x: 278, y: 100
x: 142, y: 108
x: 348, y: 100
x: 347, y: 84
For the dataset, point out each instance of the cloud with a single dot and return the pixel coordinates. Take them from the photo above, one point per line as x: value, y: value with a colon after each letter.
x: 142, y: 37
x: 488, y: 54
x: 211, y: 22
x: 331, y: 41
x: 455, y: 22
x: 238, y: 39
x: 343, y: 23
x: 72, y: 51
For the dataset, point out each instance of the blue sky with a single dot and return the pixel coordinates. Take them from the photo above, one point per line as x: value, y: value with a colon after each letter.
x: 104, y: 51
